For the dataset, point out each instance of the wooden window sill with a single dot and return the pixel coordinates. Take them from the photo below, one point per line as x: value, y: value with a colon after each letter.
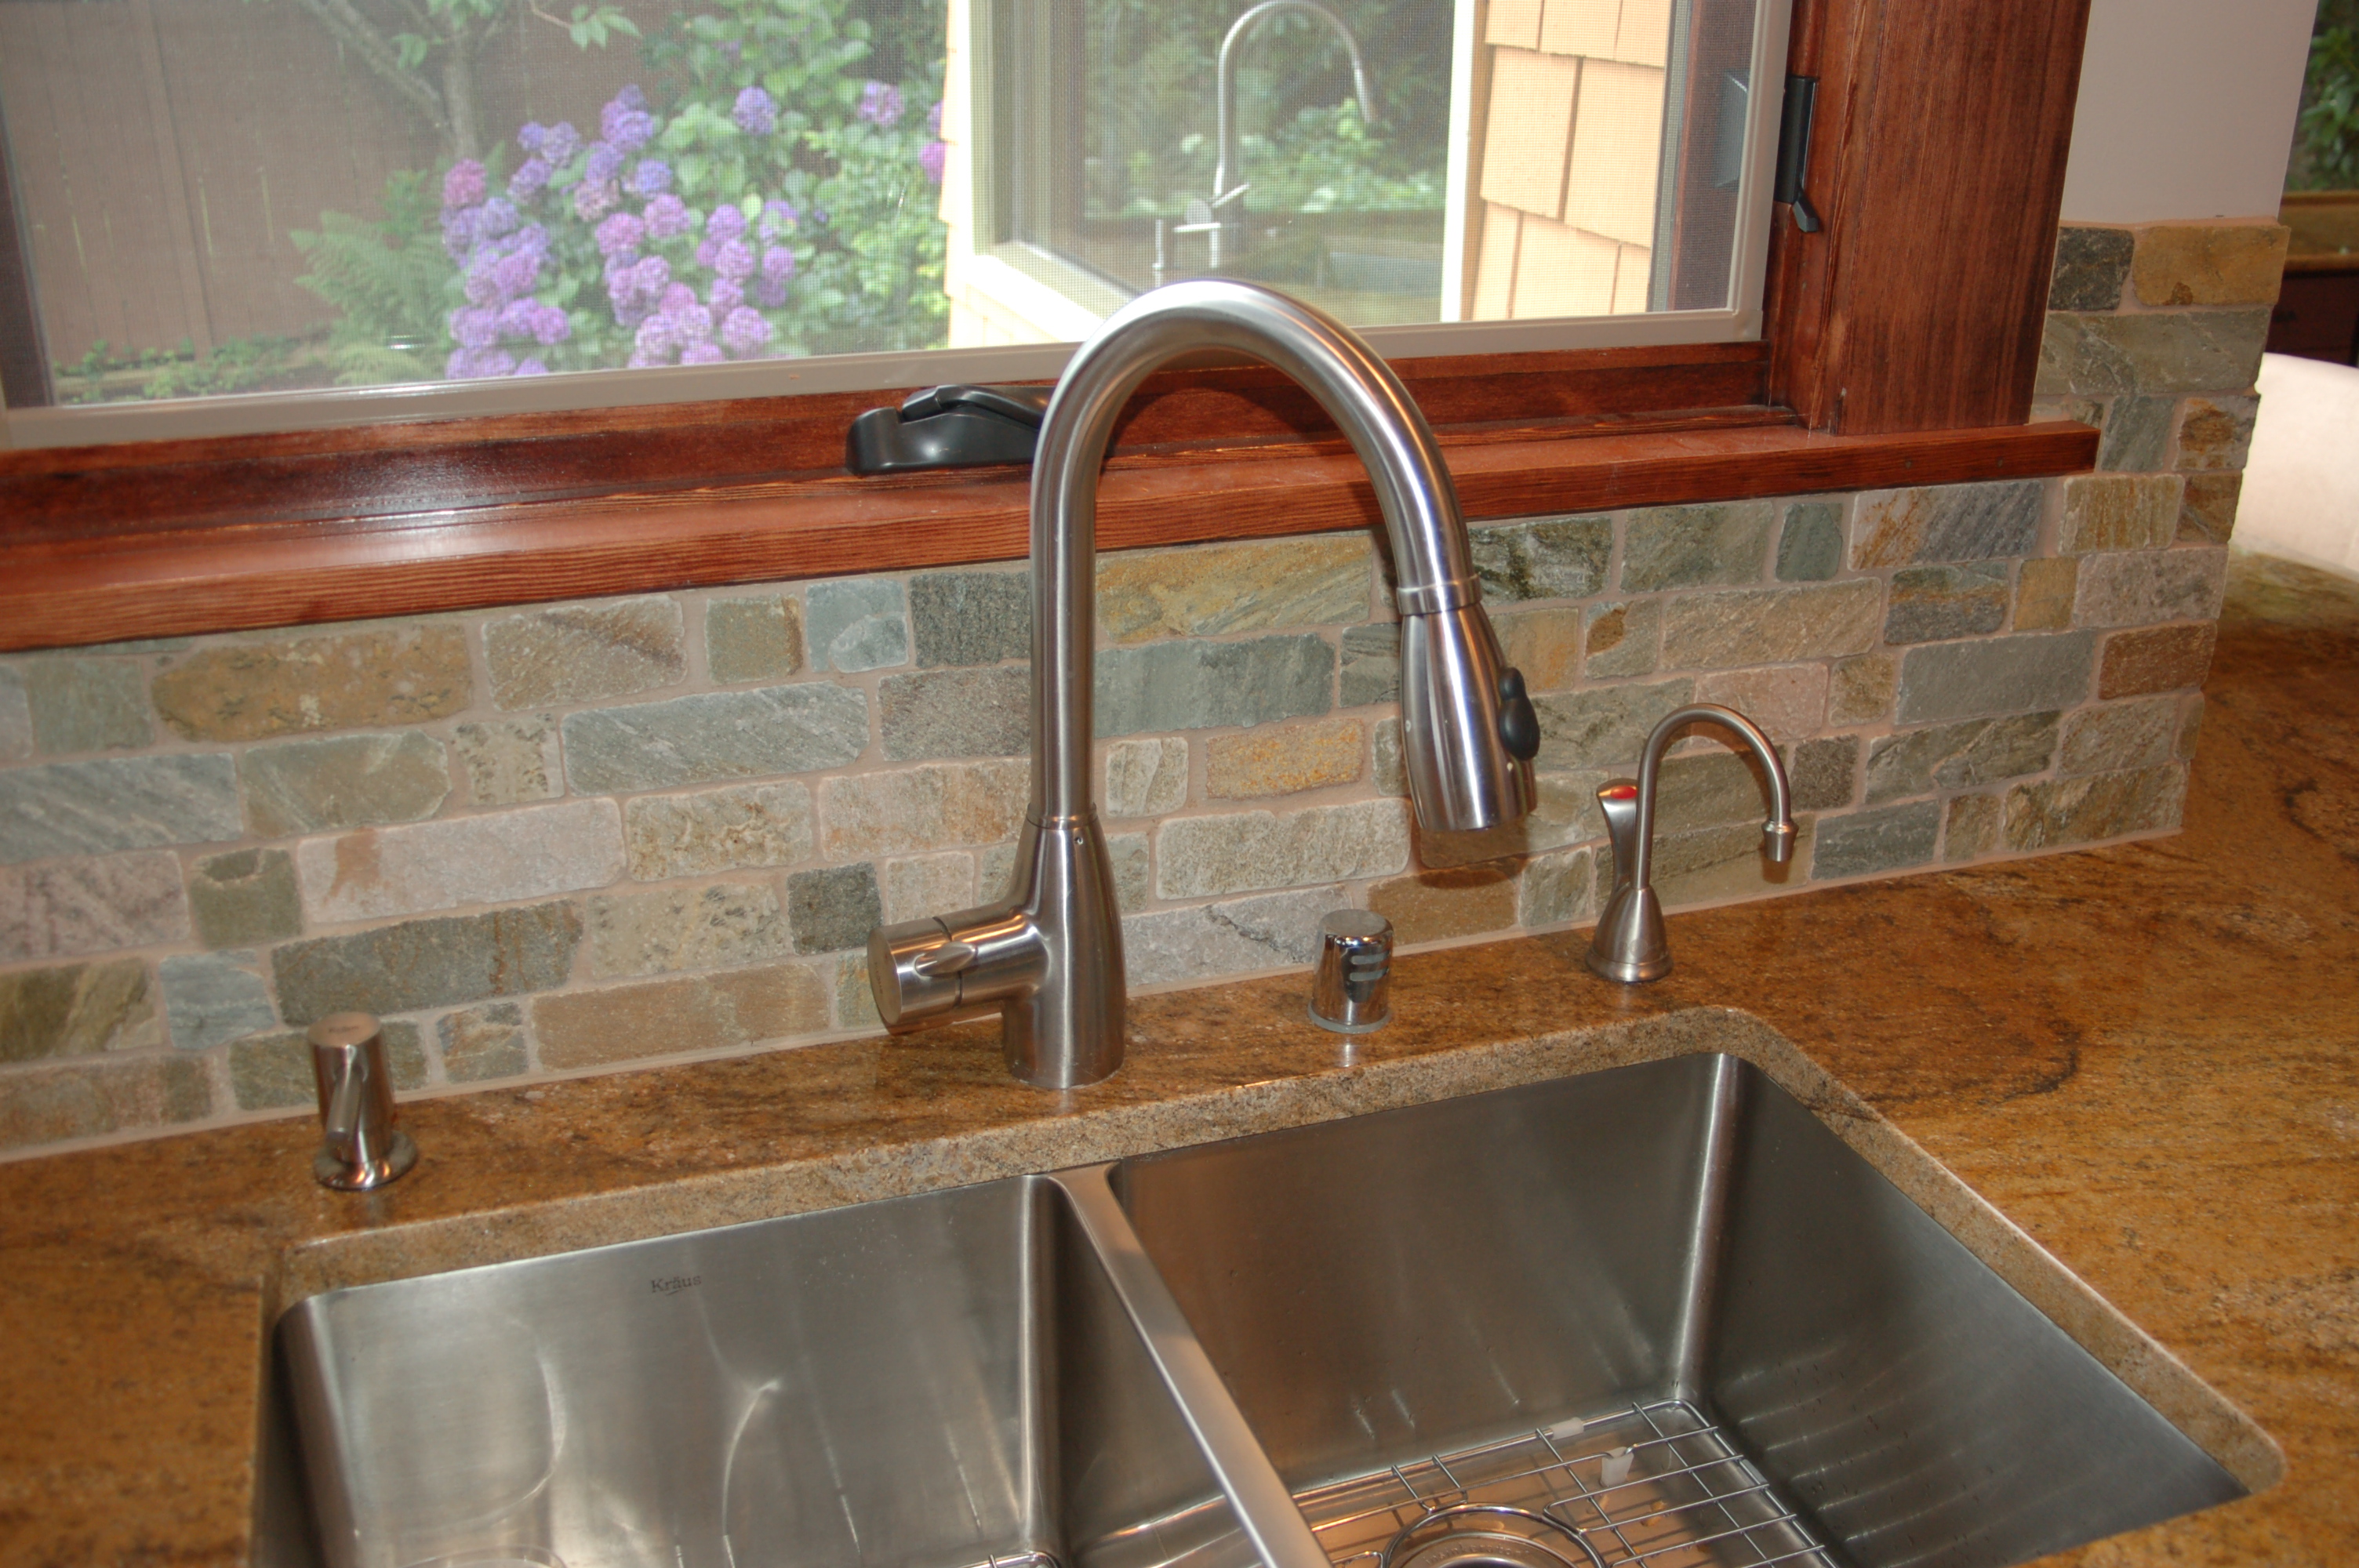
x: 101, y: 585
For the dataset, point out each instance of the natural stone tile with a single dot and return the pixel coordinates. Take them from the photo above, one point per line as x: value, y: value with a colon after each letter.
x: 16, y: 716
x: 1133, y: 871
x: 1973, y: 828
x: 1201, y: 857
x: 1550, y: 558
x: 122, y: 803
x: 1710, y: 788
x: 1822, y: 775
x: 2120, y: 736
x: 1205, y: 686
x: 661, y: 1018
x: 1959, y: 756
x: 753, y: 639
x: 1372, y: 664
x: 2156, y: 355
x: 2190, y: 727
x: 834, y: 907
x: 1695, y: 547
x: 88, y: 1099
x: 1711, y: 865
x: 2044, y: 591
x: 1545, y: 644
x: 77, y: 1010
x: 957, y: 713
x: 739, y: 828
x: 1147, y: 777
x: 584, y: 653
x: 2207, y: 515
x: 210, y: 998
x: 857, y: 624
x: 1866, y: 841
x: 920, y: 885
x: 1564, y: 812
x: 2118, y: 511
x: 1603, y: 725
x: 343, y: 780
x: 1947, y: 523
x: 1429, y: 906
x: 499, y: 858
x: 2159, y: 658
x: 1557, y: 889
x: 244, y: 898
x: 2082, y: 410
x: 1273, y: 931
x: 1860, y: 690
x: 1996, y: 674
x: 87, y: 704
x: 719, y: 926
x: 273, y: 1071
x: 487, y: 1042
x: 970, y: 618
x: 2215, y: 433
x: 2140, y: 588
x: 714, y: 736
x: 420, y: 963
x: 1932, y: 604
x: 509, y: 761
x: 1203, y: 591
x: 2210, y: 264
x: 346, y: 680
x: 1771, y: 625
x: 1384, y: 768
x: 2137, y: 434
x: 855, y: 999
x: 2091, y: 264
x: 69, y: 907
x: 1810, y: 545
x: 2050, y: 813
x: 910, y: 810
x: 1624, y: 639
x: 1790, y: 701
x: 1283, y: 759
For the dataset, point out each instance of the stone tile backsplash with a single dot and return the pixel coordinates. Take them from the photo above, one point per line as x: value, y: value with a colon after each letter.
x: 567, y: 837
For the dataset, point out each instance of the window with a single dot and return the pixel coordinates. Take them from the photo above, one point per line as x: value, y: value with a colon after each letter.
x: 240, y: 215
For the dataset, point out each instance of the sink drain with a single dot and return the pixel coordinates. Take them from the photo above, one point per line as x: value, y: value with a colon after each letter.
x: 1476, y: 1535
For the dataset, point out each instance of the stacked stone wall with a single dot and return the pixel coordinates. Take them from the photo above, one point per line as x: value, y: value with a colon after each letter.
x: 577, y: 836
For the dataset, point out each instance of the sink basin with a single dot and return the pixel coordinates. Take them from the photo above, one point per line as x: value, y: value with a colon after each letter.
x: 1656, y: 1315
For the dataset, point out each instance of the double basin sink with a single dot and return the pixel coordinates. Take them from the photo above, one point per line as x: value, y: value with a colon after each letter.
x: 1658, y: 1313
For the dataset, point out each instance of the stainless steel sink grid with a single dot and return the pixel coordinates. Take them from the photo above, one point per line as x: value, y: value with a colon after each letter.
x: 1649, y: 1483
x: 1420, y: 1338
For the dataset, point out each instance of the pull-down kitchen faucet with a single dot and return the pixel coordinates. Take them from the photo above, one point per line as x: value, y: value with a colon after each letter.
x: 1048, y: 955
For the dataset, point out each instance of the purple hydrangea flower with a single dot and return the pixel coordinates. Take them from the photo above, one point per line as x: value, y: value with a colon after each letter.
x: 550, y: 326
x: 726, y: 223
x: 479, y: 286
x: 668, y: 216
x: 657, y: 343
x: 516, y: 317
x: 654, y: 276
x: 745, y: 333
x: 496, y: 217
x: 930, y: 158
x: 561, y: 142
x: 516, y: 274
x: 458, y: 232
x: 676, y: 299
x: 651, y: 177
x: 464, y: 185
x: 706, y: 354
x: 777, y: 271
x: 530, y: 135
x: 530, y: 179
x: 592, y: 202
x: 724, y: 295
x: 532, y: 240
x: 770, y: 295
x: 531, y: 367
x: 733, y: 259
x: 476, y: 327
x: 625, y: 122
x: 880, y: 104
x: 487, y: 363
x: 757, y: 113
x: 605, y: 164
x: 620, y: 235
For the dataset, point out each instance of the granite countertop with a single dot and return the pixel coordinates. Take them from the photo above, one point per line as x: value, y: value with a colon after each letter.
x: 2147, y: 1057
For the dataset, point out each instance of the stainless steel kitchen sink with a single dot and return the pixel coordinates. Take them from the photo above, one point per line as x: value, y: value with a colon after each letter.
x: 1654, y: 1314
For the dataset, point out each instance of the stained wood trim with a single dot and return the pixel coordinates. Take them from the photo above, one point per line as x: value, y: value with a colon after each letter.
x: 233, y: 576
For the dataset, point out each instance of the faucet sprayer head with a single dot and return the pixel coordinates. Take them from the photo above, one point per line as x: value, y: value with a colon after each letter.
x: 1468, y: 731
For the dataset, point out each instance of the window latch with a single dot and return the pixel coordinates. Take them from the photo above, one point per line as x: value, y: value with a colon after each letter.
x: 948, y: 428
x: 1794, y: 150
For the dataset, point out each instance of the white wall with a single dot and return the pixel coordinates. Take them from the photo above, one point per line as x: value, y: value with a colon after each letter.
x: 2186, y: 109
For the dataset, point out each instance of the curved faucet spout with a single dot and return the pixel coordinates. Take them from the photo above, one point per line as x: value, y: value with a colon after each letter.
x: 1049, y: 956
x: 1225, y: 170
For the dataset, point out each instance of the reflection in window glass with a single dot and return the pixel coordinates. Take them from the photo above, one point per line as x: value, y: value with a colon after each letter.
x: 248, y: 195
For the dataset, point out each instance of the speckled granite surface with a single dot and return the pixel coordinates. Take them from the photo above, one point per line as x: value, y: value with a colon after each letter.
x: 2147, y: 1057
